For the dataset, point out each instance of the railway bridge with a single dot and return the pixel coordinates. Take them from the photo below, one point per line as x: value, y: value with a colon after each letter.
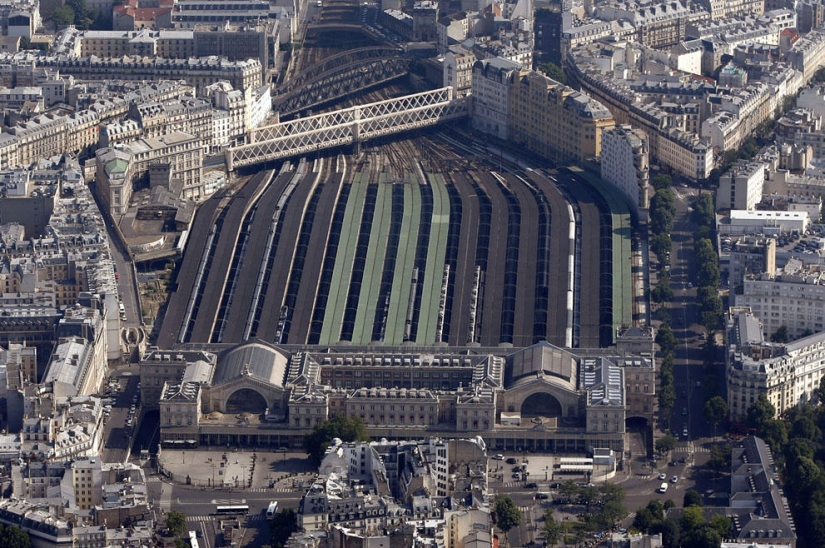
x: 339, y: 76
x: 346, y: 127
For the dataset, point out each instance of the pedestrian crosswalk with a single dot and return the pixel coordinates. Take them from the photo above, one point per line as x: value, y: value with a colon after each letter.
x: 249, y: 518
x: 690, y: 447
x: 153, y: 479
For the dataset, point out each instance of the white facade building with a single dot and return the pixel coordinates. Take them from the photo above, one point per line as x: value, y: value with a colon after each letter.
x: 625, y: 163
x: 491, y: 91
x: 794, y: 297
x: 742, y: 186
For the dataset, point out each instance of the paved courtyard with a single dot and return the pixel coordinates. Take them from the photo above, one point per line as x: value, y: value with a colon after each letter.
x: 236, y: 469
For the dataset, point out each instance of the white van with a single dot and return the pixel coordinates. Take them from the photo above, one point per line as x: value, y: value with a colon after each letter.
x: 663, y: 488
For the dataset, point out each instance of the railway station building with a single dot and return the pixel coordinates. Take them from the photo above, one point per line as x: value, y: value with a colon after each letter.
x: 540, y: 398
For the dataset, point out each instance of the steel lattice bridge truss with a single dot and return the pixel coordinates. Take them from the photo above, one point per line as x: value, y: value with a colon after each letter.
x: 339, y: 76
x: 346, y: 127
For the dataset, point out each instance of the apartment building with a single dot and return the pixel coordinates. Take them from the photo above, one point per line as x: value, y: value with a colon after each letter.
x: 625, y: 163
x: 685, y: 153
x: 555, y: 121
x: 657, y: 25
x: 119, y: 166
x: 490, y: 104
x: 787, y: 374
x: 742, y: 186
x: 198, y: 72
x: 792, y: 297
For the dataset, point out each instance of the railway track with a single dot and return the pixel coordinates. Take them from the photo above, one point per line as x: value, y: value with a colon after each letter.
x: 394, y: 245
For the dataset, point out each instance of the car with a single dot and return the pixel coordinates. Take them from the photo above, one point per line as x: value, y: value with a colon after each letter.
x: 511, y: 460
x: 683, y: 460
x: 684, y: 411
x: 622, y: 531
x: 698, y: 384
x: 542, y: 496
x: 498, y: 457
x: 690, y: 285
x: 281, y: 450
x: 674, y: 479
x: 672, y: 463
x: 516, y: 475
x: 516, y: 468
x: 532, y: 486
x: 709, y: 492
x: 662, y: 476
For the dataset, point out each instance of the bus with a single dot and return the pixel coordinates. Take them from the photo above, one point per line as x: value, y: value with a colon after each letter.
x: 232, y: 510
x: 193, y: 539
x: 273, y: 507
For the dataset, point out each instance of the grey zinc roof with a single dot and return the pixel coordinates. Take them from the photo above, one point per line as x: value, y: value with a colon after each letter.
x: 254, y: 359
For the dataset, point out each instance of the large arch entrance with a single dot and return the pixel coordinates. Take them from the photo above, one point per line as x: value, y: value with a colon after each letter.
x: 246, y: 400
x: 541, y: 404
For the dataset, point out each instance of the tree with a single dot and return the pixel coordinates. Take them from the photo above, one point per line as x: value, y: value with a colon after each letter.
x: 611, y: 492
x: 552, y: 70
x: 569, y: 490
x: 775, y: 434
x: 671, y: 533
x: 716, y: 409
x: 665, y: 444
x: 693, y: 498
x: 507, y: 513
x: 282, y: 526
x: 707, y: 264
x: 692, y: 519
x: 340, y: 426
x: 821, y: 390
x: 613, y: 512
x: 720, y: 457
x: 176, y: 522
x: 14, y: 537
x: 666, y: 340
x: 780, y: 335
x: 703, y: 211
x: 662, y: 292
x: 644, y: 520
x: 721, y: 524
x: 657, y: 509
x: 661, y: 181
x: 63, y: 16
x: 760, y: 412
x: 667, y: 398
x: 804, y: 428
x: 588, y: 495
x: 552, y: 528
x: 661, y: 244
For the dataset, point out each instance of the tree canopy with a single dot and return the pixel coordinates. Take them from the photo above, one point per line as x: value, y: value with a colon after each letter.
x: 665, y: 444
x: 507, y: 513
x: 14, y: 537
x: 176, y: 522
x: 693, y: 498
x: 340, y: 426
x: 552, y: 70
x: 282, y: 526
x: 715, y: 411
